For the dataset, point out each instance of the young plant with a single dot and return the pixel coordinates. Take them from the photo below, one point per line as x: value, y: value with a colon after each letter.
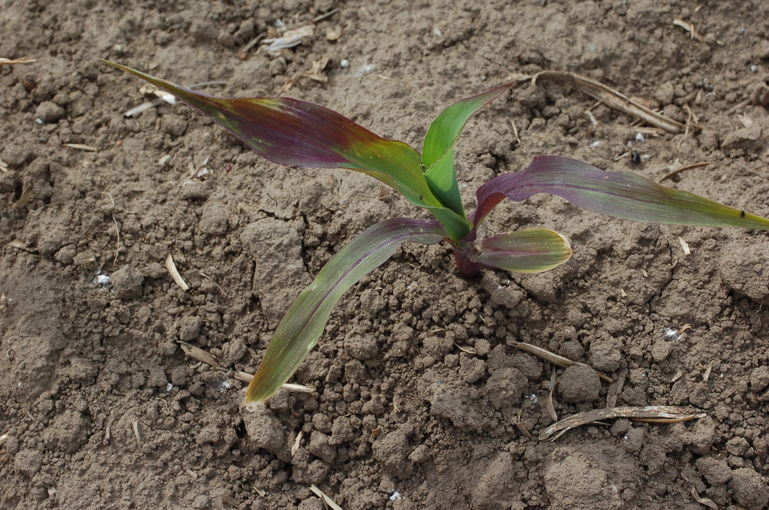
x: 297, y: 133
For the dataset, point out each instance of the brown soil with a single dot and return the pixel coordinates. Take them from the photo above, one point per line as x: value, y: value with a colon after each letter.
x: 99, y: 406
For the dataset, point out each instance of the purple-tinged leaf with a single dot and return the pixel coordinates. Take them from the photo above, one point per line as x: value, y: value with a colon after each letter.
x: 304, y: 322
x: 524, y: 251
x: 621, y: 194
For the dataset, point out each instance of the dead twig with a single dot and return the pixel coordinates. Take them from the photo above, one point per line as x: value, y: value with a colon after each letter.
x: 553, y: 358
x: 649, y: 414
x: 550, y: 400
x: 22, y: 60
x: 685, y: 168
x: 611, y: 98
x: 327, y: 500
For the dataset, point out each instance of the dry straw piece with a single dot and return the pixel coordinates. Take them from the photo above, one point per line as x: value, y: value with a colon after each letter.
x: 611, y: 98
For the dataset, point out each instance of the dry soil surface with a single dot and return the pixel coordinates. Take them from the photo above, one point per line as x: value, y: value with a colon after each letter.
x: 420, y: 399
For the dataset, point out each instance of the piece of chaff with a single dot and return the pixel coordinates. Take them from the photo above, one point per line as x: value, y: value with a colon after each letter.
x: 289, y: 39
x: 199, y: 354
x: 553, y: 358
x: 171, y: 267
x: 611, y: 98
x: 649, y: 414
x: 81, y: 147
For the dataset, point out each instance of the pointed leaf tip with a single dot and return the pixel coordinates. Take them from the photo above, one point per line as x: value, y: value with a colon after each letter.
x: 438, y: 145
x: 621, y: 194
x: 298, y: 133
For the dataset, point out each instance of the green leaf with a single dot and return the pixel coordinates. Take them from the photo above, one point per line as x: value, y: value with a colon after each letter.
x: 300, y: 329
x: 297, y: 133
x: 621, y: 194
x: 438, y: 146
x: 525, y: 251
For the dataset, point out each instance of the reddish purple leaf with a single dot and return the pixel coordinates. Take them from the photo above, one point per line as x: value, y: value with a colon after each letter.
x: 621, y: 194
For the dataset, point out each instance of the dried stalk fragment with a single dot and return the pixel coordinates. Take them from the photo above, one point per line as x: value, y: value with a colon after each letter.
x: 611, y: 98
x: 553, y: 358
x: 651, y: 414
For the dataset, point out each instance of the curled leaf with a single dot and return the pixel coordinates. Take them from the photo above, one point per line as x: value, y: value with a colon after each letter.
x: 525, y: 251
x: 438, y: 146
x: 621, y: 194
x: 304, y: 322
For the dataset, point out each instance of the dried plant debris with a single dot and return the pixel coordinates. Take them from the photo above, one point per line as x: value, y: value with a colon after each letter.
x: 22, y: 60
x: 611, y: 98
x: 650, y: 414
x: 199, y: 354
x: 289, y: 39
x: 171, y: 267
x: 553, y: 358
x: 327, y: 500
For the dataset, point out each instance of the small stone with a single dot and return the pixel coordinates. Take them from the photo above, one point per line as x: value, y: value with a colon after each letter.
x: 361, y: 347
x: 48, y: 111
x: 321, y: 447
x: 759, y: 378
x: 156, y: 378
x: 189, y: 328
x: 85, y: 259
x: 392, y: 451
x: 661, y: 350
x: 604, y: 356
x: 472, y: 369
x: 505, y: 387
x: 127, y: 283
x: 68, y: 431
x: 195, y: 190
x: 178, y: 375
x: 742, y: 268
x: 714, y: 470
x: 266, y: 431
x: 201, y: 501
x: 28, y: 461
x: 749, y: 488
x: 65, y: 255
x: 572, y: 350
x: 437, y: 346
x: 208, y: 434
x: 579, y: 383
x: 174, y: 125
x: 744, y: 141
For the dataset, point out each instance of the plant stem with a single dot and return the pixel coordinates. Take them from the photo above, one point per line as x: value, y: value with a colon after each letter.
x: 466, y: 267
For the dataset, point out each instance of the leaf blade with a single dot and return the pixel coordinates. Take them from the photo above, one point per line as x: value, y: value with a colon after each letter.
x: 620, y: 194
x: 524, y: 251
x: 291, y: 132
x: 305, y: 320
x: 438, y: 145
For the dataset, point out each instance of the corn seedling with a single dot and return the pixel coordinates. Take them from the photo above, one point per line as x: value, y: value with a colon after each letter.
x: 297, y: 133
